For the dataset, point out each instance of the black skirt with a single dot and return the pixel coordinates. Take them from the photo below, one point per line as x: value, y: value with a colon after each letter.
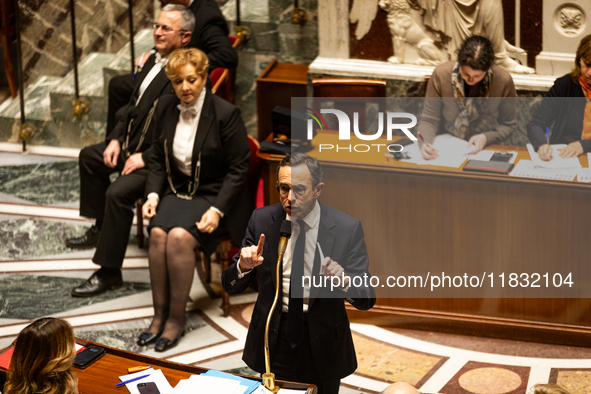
x: 173, y: 211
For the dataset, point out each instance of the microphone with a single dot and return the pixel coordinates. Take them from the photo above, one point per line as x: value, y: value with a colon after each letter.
x: 285, y: 233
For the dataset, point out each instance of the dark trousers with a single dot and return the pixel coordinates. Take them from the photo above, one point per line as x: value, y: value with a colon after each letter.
x: 297, y: 365
x: 120, y: 90
x: 110, y: 203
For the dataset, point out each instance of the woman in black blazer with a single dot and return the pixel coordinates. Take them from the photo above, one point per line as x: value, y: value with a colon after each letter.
x: 196, y: 189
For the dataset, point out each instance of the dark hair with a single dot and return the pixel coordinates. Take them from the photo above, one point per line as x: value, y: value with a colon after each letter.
x: 43, y: 354
x: 583, y: 52
x: 297, y: 158
x: 476, y: 52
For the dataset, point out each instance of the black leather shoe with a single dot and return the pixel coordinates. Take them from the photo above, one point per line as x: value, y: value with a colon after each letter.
x: 98, y: 283
x: 147, y: 337
x: 163, y: 344
x: 88, y: 240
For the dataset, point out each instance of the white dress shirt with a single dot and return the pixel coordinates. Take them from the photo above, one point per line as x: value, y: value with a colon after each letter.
x: 159, y: 64
x: 184, y: 136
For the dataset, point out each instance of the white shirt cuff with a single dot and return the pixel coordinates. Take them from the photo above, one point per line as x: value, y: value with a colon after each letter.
x: 154, y: 195
x: 217, y: 211
x: 240, y: 273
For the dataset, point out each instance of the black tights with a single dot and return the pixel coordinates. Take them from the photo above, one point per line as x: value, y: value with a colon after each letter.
x: 172, y: 262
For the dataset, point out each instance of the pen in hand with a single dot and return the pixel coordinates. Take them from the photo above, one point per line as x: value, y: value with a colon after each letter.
x: 543, y: 152
x: 427, y: 150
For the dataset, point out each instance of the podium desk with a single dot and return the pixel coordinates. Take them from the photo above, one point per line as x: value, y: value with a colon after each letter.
x: 413, y: 213
x: 102, y: 376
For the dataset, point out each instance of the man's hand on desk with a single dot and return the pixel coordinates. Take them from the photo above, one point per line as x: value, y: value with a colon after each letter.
x: 545, y: 152
x: 479, y: 142
x: 574, y: 149
x: 332, y: 268
x: 252, y: 256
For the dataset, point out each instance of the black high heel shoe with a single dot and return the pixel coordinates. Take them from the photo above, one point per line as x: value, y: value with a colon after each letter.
x: 163, y: 344
x: 147, y: 337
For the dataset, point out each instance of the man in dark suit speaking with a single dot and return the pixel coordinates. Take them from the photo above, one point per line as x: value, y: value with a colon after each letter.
x: 309, y: 336
x: 126, y: 149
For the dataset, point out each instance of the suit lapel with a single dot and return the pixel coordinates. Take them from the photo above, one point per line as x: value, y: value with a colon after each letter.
x: 142, y: 75
x: 169, y: 123
x: 326, y: 238
x: 151, y: 93
x: 205, y: 122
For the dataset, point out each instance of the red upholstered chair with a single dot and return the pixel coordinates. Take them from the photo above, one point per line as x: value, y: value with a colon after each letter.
x: 223, y: 80
x: 226, y: 249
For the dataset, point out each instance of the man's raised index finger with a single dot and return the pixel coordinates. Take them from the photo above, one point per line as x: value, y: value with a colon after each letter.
x: 260, y: 245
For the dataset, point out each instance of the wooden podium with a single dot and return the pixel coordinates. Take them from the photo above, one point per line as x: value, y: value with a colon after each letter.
x: 276, y: 85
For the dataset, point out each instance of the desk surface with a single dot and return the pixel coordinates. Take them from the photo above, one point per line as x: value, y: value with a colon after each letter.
x: 102, y: 376
x: 375, y: 160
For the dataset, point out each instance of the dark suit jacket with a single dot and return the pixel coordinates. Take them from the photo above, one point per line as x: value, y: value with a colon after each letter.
x: 211, y: 35
x: 341, y: 238
x: 563, y: 111
x: 137, y: 113
x: 225, y: 154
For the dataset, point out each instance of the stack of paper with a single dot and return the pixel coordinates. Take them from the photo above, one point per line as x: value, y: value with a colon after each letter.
x: 154, y: 375
x: 251, y: 384
x: 453, y: 152
x: 526, y: 169
x: 202, y: 384
x: 557, y: 162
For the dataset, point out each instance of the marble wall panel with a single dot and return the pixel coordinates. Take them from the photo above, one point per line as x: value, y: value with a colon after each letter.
x: 273, y: 36
x: 101, y: 25
x: 43, y: 183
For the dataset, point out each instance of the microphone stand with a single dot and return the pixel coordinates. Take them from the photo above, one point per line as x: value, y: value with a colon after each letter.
x: 269, y: 377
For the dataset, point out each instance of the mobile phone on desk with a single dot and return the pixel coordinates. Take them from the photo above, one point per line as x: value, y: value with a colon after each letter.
x: 502, y: 157
x: 148, y: 388
x: 88, y: 356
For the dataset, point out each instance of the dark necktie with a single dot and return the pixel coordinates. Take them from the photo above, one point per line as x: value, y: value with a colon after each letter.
x: 296, y: 290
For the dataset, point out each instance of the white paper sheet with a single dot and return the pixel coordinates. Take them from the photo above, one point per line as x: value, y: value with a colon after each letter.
x: 525, y: 168
x: 557, y: 162
x: 201, y: 384
x: 584, y: 175
x: 453, y: 152
x: 155, y: 375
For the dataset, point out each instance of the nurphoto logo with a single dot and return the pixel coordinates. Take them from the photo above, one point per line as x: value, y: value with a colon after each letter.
x: 391, y: 120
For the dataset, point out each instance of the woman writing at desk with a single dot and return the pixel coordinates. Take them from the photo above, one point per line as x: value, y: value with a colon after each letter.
x: 43, y: 355
x: 197, y: 191
x: 469, y: 99
x: 571, y: 117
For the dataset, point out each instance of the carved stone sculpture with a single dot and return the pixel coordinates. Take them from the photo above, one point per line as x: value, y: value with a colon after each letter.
x: 447, y: 23
x: 405, y: 30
